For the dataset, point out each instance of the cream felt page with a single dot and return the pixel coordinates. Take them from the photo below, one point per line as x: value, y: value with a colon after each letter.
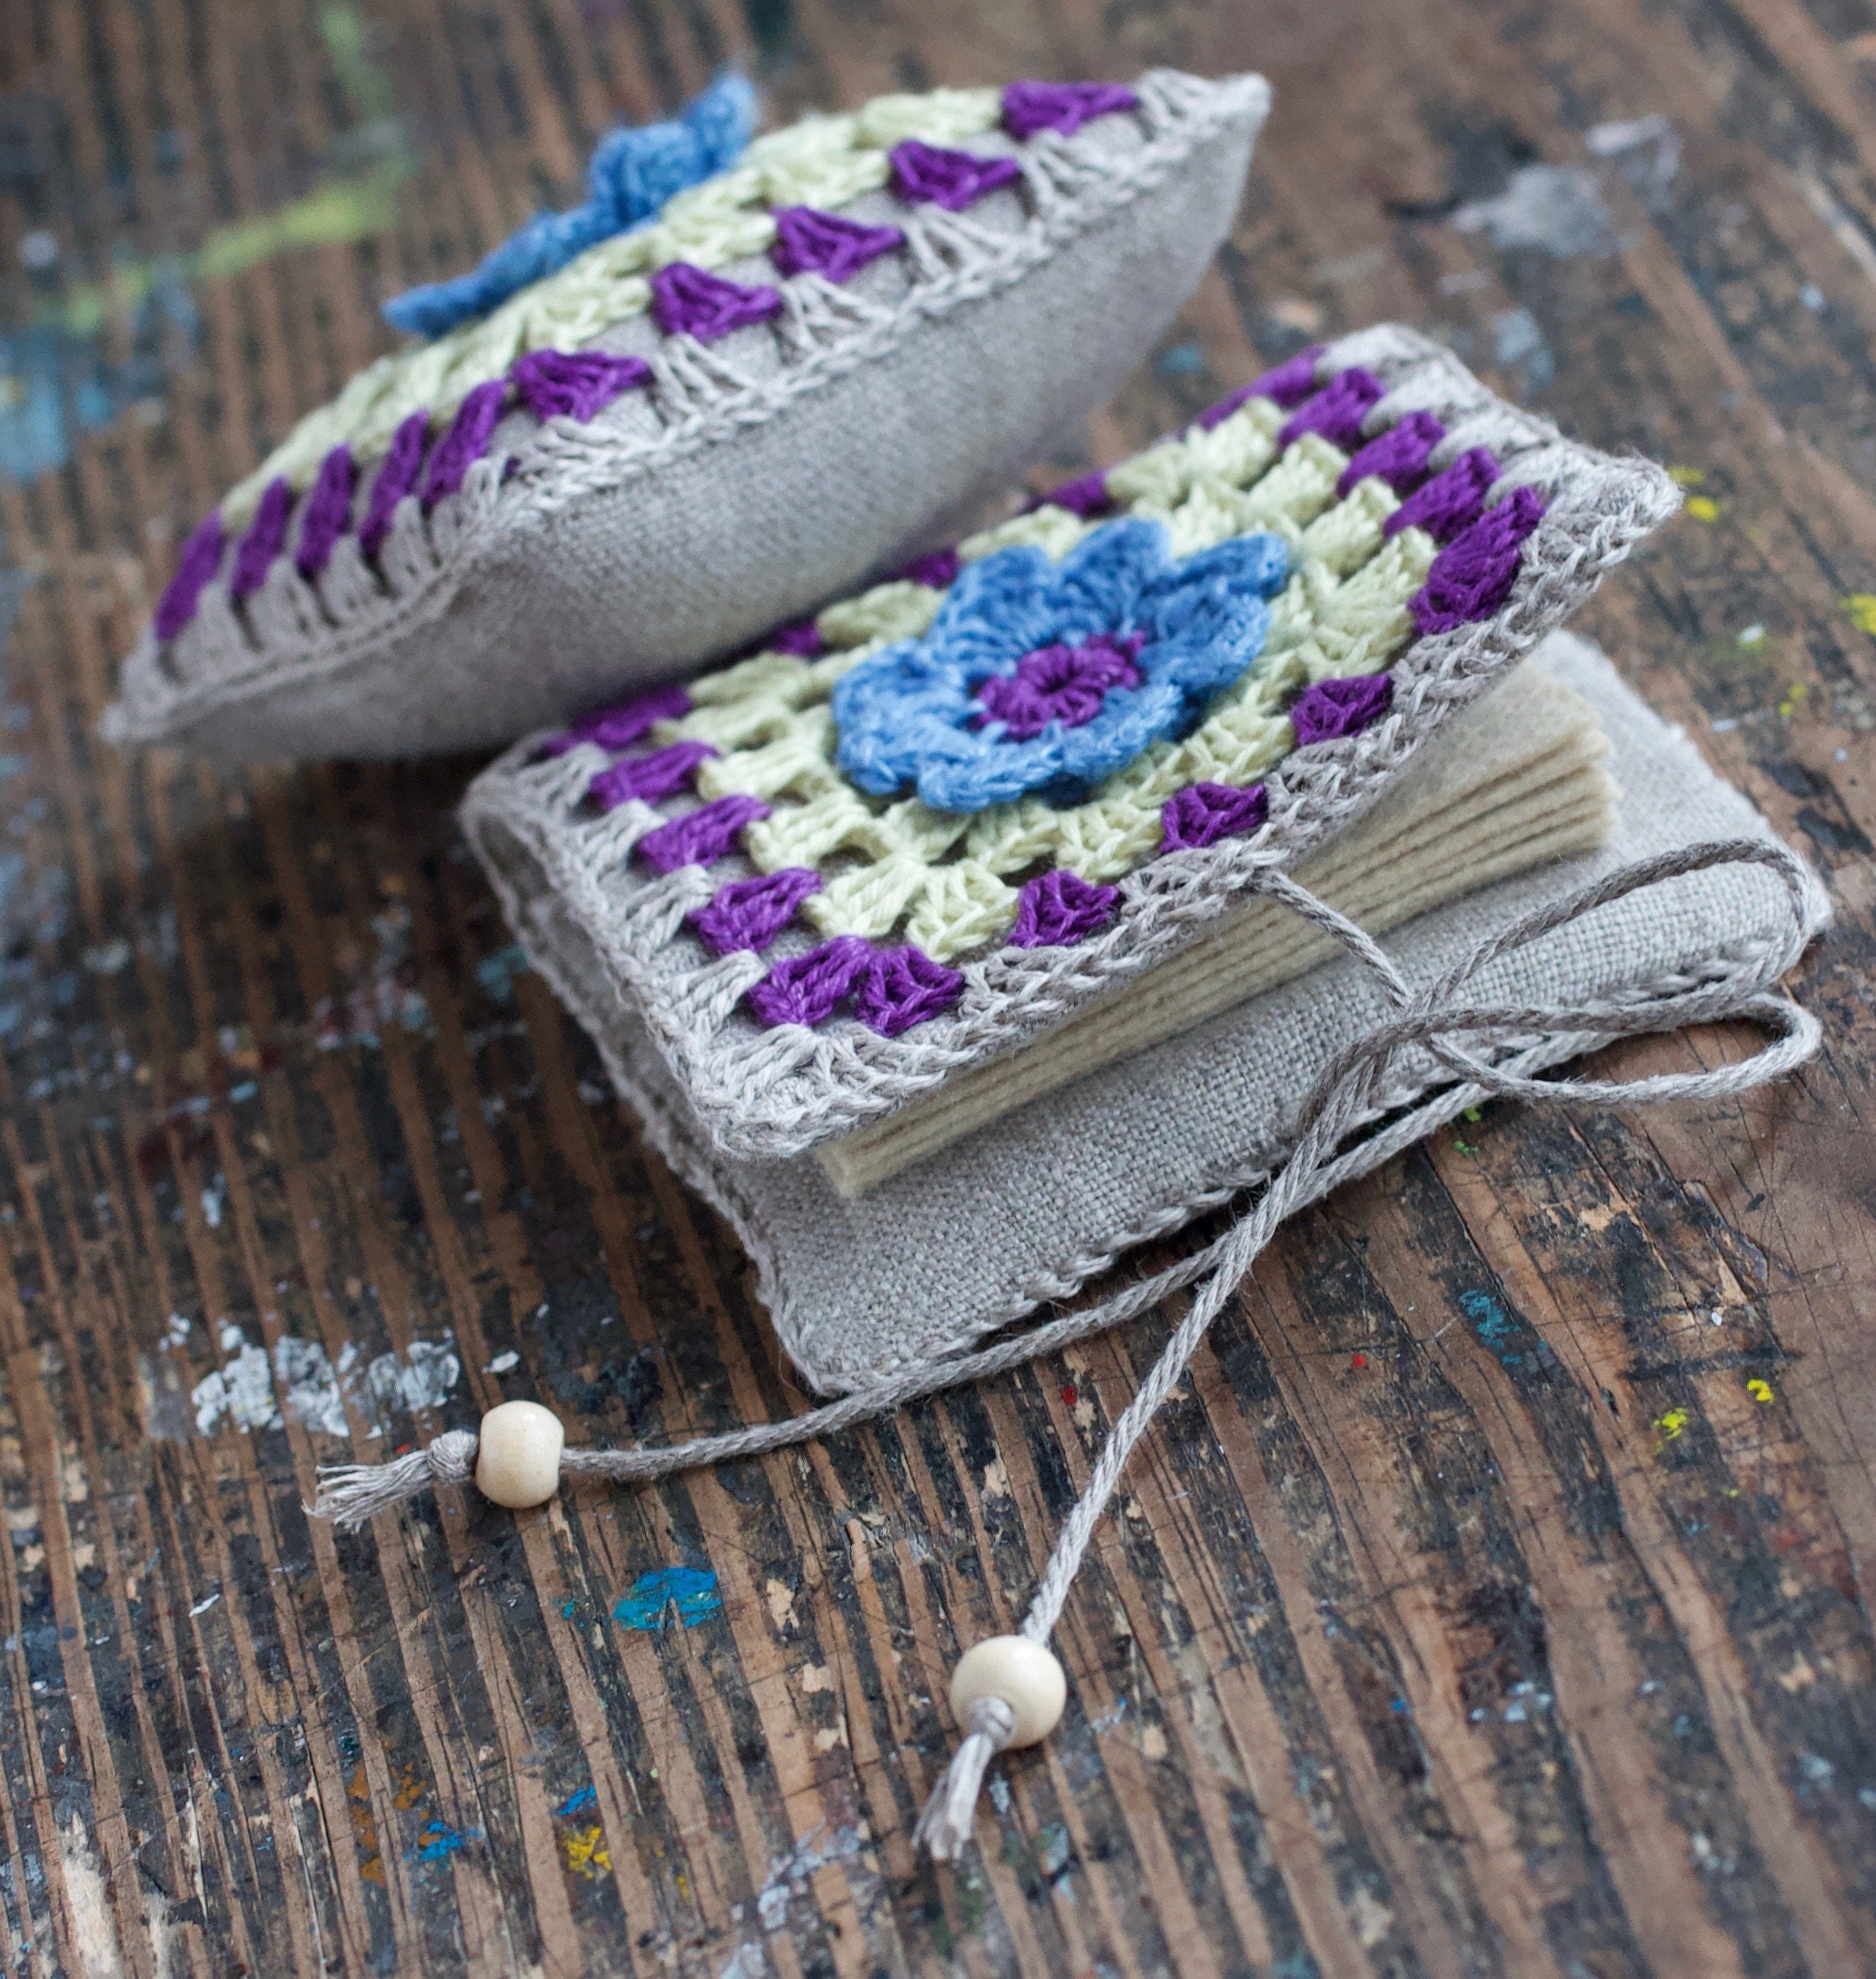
x: 1515, y: 783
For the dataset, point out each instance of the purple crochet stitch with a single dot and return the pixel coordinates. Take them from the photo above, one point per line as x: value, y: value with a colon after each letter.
x: 701, y: 835
x: 620, y: 727
x: 800, y: 640
x: 1473, y: 574
x: 1031, y: 107
x: 1398, y: 456
x: 328, y: 509
x: 1085, y: 496
x: 201, y: 557
x: 1059, y: 907
x: 692, y: 302
x: 1451, y: 500
x: 1202, y: 813
x: 1336, y: 412
x: 951, y: 179
x: 466, y: 442
x: 661, y: 774
x: 574, y: 384
x: 902, y: 987
x: 266, y: 536
x: 751, y: 913
x: 938, y: 568
x: 804, y: 989
x: 396, y: 477
x: 1331, y: 709
x: 1061, y: 683
x: 1286, y: 384
x: 809, y: 241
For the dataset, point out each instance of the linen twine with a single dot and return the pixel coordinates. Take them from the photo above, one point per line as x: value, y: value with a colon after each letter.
x: 1431, y: 1019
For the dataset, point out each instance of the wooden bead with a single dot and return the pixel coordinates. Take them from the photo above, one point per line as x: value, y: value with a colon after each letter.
x: 518, y: 1457
x: 1023, y: 1673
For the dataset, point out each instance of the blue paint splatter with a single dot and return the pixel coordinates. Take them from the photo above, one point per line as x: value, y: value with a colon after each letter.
x: 1493, y: 1325
x: 691, y: 1590
x: 438, y: 1841
x: 574, y: 1802
x: 57, y: 378
x: 1497, y: 1330
x: 497, y: 972
x: 1180, y: 361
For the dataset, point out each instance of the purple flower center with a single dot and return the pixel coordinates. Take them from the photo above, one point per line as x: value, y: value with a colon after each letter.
x: 1060, y: 684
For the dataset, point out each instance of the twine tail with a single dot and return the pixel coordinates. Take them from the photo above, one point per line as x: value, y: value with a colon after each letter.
x: 350, y: 1494
x: 950, y: 1815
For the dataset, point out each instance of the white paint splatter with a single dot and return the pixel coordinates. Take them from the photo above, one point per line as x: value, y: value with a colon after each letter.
x: 213, y: 1198
x: 1557, y: 209
x: 108, y: 957
x: 787, y: 1872
x: 305, y: 1385
x: 1519, y: 343
x: 93, y: 1927
x: 242, y: 1390
x: 424, y: 1382
x: 1646, y: 151
x: 504, y: 1362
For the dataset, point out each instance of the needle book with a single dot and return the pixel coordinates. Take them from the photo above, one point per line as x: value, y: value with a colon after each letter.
x: 912, y: 836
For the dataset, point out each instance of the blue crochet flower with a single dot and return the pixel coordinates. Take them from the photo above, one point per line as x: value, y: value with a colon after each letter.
x: 1037, y: 676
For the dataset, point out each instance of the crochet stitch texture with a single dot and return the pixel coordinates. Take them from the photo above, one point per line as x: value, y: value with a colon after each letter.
x: 698, y: 410
x: 1025, y: 908
x: 1038, y: 676
x: 780, y: 190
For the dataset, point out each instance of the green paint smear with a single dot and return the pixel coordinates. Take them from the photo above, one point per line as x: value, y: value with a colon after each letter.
x: 354, y: 207
x: 366, y: 87
x: 352, y: 204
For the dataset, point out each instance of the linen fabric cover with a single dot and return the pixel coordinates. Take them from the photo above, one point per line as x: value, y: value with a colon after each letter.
x: 1043, y: 1202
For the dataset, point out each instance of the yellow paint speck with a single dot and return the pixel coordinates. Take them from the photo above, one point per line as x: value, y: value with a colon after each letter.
x: 586, y: 1853
x: 1761, y: 1391
x: 1672, y: 1424
x: 1860, y: 609
x: 1793, y: 700
x: 1689, y: 477
x: 1703, y: 508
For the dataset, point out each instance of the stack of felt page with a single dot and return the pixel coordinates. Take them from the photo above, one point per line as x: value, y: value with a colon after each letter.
x: 925, y: 940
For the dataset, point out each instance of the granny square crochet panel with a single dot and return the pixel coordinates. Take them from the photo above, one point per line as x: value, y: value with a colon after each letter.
x: 928, y: 824
x: 633, y: 399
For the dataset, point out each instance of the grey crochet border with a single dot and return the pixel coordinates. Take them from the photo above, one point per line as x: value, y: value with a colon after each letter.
x: 756, y: 1093
x: 293, y: 629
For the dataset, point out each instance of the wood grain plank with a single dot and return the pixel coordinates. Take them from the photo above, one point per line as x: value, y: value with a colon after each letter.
x: 1319, y: 1576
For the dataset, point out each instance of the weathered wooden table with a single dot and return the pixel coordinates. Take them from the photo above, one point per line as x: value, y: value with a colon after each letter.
x: 1493, y: 1599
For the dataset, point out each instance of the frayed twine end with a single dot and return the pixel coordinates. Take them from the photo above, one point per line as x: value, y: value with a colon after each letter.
x: 950, y: 1815
x: 350, y: 1494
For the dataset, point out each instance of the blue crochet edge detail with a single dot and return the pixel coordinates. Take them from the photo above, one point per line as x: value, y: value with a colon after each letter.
x: 633, y: 171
